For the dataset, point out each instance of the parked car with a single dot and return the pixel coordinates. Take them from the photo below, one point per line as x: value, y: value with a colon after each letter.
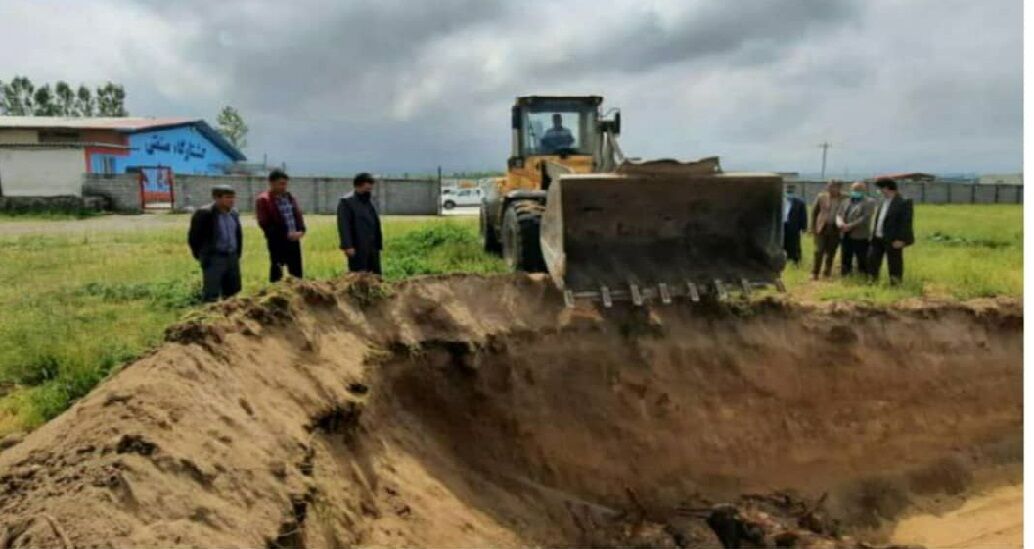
x: 461, y: 197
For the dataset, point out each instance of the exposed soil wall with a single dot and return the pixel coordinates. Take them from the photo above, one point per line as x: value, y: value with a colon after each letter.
x: 471, y: 411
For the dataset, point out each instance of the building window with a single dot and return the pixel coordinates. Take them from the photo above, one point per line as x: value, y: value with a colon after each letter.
x: 58, y: 136
x: 108, y: 164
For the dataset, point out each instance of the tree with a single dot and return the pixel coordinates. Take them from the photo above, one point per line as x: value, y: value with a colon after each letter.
x: 231, y: 125
x: 84, y: 103
x: 20, y: 97
x: 17, y: 97
x: 111, y: 100
x: 64, y: 96
x: 44, y: 103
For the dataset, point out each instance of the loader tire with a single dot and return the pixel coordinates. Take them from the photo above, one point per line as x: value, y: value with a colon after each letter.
x: 489, y: 238
x: 521, y: 248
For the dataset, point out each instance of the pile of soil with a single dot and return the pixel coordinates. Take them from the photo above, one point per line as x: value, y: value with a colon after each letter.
x: 478, y: 411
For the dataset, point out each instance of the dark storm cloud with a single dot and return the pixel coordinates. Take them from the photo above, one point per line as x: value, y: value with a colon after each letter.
x: 748, y: 32
x: 324, y: 48
x: 340, y: 71
x: 405, y: 85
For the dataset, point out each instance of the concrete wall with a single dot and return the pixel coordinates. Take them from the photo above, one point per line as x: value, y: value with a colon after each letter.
x: 20, y: 137
x: 314, y: 194
x: 41, y: 172
x: 934, y: 193
x: 121, y: 193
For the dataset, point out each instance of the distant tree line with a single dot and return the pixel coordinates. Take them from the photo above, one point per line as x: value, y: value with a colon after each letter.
x: 20, y: 97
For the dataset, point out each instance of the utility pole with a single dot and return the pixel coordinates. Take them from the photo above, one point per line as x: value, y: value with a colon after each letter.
x: 825, y: 148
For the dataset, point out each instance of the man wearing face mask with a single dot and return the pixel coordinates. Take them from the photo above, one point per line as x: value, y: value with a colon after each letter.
x: 855, y: 223
x: 795, y: 222
x: 359, y: 227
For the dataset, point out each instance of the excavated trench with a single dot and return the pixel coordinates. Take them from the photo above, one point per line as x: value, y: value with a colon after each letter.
x: 478, y: 411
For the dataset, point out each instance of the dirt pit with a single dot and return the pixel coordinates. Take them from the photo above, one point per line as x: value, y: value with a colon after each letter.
x: 478, y: 411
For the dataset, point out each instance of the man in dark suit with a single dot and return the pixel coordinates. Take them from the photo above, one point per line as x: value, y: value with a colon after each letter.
x: 795, y: 222
x: 891, y: 232
x: 359, y: 227
x: 216, y: 241
x: 281, y: 221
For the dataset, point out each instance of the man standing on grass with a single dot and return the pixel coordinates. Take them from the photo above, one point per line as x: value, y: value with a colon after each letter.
x: 281, y: 221
x: 216, y: 241
x: 359, y: 227
x: 892, y: 232
x: 855, y: 223
x: 823, y: 224
x: 795, y: 222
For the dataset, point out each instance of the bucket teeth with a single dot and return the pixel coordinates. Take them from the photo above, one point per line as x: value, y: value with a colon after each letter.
x: 637, y: 296
x: 662, y: 289
x: 640, y: 294
x: 694, y: 294
x: 719, y: 289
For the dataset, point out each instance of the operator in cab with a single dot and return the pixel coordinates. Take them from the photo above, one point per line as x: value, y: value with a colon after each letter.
x: 558, y: 137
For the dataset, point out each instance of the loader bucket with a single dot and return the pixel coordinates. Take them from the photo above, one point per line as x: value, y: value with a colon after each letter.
x: 647, y: 232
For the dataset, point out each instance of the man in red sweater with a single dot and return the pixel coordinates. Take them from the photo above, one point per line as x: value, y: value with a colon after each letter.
x: 281, y: 220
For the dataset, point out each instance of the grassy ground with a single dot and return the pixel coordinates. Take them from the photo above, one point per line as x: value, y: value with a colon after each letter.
x: 961, y: 252
x: 78, y: 305
x: 80, y: 298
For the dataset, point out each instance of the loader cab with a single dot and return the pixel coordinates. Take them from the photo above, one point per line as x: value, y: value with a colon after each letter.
x: 554, y: 126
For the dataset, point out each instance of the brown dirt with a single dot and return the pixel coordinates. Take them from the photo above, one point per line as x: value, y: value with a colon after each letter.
x: 477, y: 411
x: 991, y: 519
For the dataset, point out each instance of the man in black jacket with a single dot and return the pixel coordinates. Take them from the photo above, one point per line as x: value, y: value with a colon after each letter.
x: 216, y: 241
x: 795, y: 222
x: 359, y: 227
x: 891, y: 233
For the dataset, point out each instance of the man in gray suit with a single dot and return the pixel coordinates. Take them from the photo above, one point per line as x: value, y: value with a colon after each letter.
x: 359, y: 227
x: 855, y: 223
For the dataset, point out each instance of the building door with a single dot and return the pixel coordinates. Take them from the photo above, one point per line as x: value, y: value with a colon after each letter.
x: 156, y: 186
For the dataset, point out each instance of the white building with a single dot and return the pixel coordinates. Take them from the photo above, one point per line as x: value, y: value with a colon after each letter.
x: 42, y: 169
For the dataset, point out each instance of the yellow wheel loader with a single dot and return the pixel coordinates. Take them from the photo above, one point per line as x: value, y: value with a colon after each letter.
x: 608, y: 228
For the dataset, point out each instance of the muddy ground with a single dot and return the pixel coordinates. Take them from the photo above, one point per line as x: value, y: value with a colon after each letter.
x: 478, y: 411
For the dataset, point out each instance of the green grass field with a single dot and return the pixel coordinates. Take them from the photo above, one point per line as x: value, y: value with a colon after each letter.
x: 81, y: 298
x: 961, y: 252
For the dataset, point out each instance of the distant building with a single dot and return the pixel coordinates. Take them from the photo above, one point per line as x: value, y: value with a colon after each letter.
x: 916, y: 177
x: 1001, y: 179
x: 45, y: 156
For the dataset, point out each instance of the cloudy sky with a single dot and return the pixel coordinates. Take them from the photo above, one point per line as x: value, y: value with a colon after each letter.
x: 398, y: 86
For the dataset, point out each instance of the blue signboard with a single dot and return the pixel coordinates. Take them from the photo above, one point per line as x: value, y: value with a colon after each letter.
x: 184, y: 149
